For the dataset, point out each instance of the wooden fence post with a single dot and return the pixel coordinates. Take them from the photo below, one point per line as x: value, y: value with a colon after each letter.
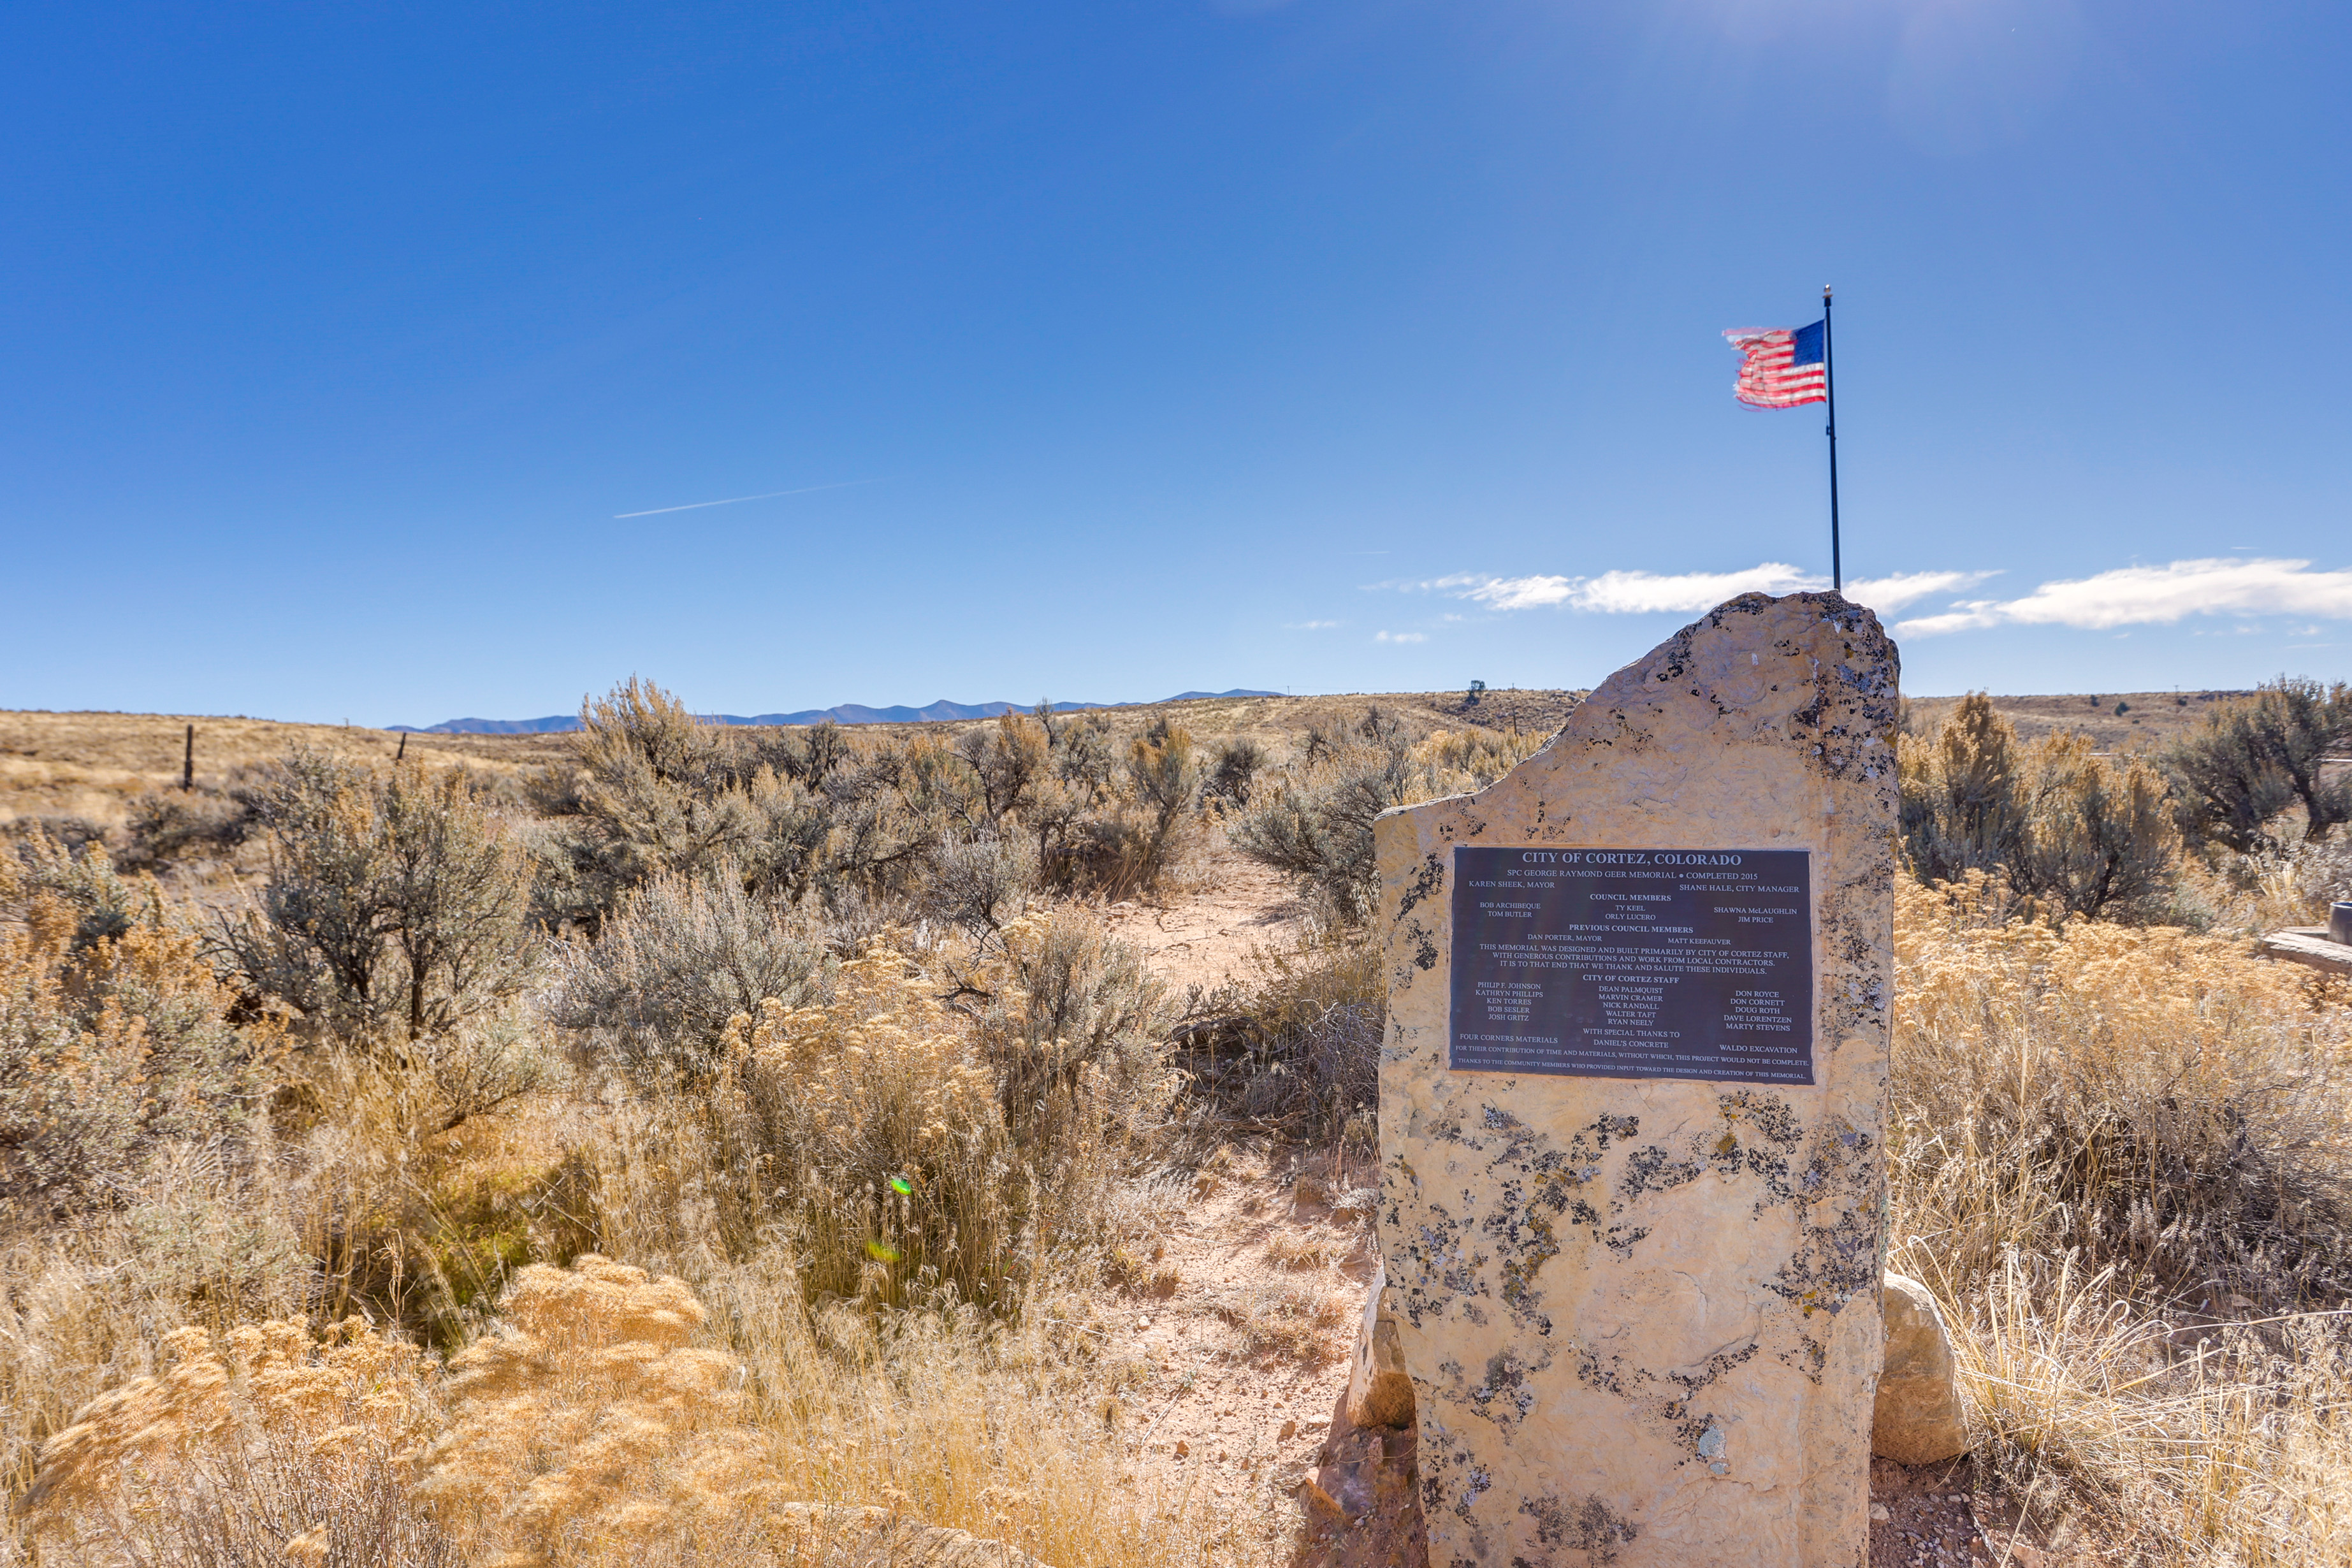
x: 188, y: 762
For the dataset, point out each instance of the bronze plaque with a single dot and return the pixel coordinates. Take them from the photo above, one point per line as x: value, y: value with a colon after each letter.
x: 1635, y: 963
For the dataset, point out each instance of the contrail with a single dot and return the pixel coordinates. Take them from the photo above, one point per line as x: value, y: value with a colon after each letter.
x: 730, y: 501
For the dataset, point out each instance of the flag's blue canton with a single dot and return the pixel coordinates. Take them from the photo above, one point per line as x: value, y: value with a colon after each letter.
x: 1808, y: 342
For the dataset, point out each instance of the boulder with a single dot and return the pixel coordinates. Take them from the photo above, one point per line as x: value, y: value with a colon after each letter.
x: 1379, y: 1391
x: 1918, y: 1419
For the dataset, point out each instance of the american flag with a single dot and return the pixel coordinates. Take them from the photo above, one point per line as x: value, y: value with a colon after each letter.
x: 1782, y: 367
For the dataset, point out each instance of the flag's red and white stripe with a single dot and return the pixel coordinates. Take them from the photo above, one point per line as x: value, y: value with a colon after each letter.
x: 1770, y: 376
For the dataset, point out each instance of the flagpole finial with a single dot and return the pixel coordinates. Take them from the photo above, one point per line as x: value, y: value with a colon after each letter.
x: 1825, y: 290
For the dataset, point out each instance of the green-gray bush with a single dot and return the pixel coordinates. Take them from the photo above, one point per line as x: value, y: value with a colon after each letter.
x: 679, y: 958
x: 1235, y: 772
x: 978, y: 883
x: 115, y: 1039
x: 2253, y: 759
x: 395, y: 905
x: 1318, y: 825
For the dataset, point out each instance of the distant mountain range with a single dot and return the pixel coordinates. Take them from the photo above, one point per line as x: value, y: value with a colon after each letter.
x: 847, y: 713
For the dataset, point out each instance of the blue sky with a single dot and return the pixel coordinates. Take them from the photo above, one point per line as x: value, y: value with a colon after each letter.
x: 1116, y: 348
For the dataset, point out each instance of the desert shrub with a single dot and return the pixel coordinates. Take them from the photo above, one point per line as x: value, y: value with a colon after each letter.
x: 1962, y: 809
x: 395, y: 905
x: 1056, y: 1003
x: 1295, y: 1048
x: 1004, y: 763
x: 678, y: 959
x: 1083, y: 755
x: 259, y: 1448
x: 2251, y: 760
x: 75, y: 883
x: 978, y: 883
x: 956, y: 829
x: 914, y: 1150
x: 1163, y: 772
x: 2135, y: 1097
x: 1317, y: 824
x: 649, y: 789
x: 1119, y: 832
x: 165, y: 826
x: 2091, y: 836
x: 2099, y: 837
x: 1234, y: 772
x: 115, y: 1039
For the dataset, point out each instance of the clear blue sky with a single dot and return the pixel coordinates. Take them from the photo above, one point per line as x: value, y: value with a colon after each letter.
x: 1150, y: 344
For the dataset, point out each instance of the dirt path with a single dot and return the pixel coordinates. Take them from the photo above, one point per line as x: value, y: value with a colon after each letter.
x: 1204, y: 934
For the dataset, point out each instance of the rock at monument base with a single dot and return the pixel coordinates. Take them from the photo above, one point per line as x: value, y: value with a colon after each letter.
x: 1641, y: 1313
x: 1918, y: 1419
x: 1379, y: 1391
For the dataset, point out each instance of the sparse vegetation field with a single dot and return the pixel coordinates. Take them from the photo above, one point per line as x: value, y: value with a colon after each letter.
x: 679, y: 1144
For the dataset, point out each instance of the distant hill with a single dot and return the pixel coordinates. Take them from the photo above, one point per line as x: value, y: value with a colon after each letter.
x: 554, y: 724
x: 847, y: 713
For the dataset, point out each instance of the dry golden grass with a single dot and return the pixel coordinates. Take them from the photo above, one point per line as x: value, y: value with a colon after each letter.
x: 94, y: 765
x: 1308, y: 1249
x: 2119, y: 1155
x: 611, y: 1420
x: 261, y: 1445
x: 2123, y: 1159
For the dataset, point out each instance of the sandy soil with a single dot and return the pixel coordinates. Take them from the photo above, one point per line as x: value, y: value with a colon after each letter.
x: 1204, y: 935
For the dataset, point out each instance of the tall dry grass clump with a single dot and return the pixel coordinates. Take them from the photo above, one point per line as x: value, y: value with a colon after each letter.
x: 590, y: 1428
x: 261, y: 1445
x: 2121, y: 1157
x: 2139, y: 1096
x: 933, y: 1129
x: 609, y: 1419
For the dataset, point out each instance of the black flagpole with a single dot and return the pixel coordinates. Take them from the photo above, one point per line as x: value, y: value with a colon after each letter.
x: 1829, y: 388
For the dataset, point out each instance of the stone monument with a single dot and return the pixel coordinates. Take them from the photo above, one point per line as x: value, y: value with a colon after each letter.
x: 1631, y: 1111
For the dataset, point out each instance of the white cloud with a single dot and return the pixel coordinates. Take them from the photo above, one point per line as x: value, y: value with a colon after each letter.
x: 1888, y: 594
x: 1309, y: 625
x: 1689, y: 593
x: 2142, y: 595
x: 1400, y: 636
